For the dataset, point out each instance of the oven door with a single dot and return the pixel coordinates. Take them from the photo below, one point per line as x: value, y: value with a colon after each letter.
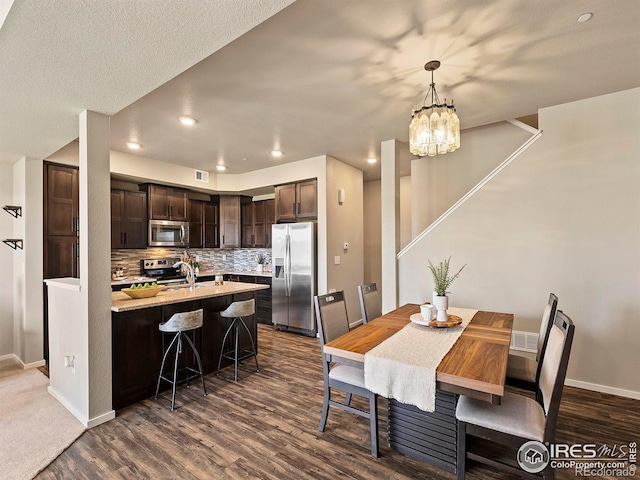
x: 165, y: 233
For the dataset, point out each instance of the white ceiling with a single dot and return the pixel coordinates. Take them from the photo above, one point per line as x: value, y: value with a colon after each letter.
x: 320, y: 77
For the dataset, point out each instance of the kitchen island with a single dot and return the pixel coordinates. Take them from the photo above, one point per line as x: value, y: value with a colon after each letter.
x: 138, y: 345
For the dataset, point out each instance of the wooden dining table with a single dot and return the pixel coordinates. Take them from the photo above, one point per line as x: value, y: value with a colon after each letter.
x: 475, y: 366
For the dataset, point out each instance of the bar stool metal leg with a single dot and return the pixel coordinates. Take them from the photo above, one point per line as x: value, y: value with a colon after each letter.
x: 175, y: 372
x: 253, y: 345
x: 164, y: 359
x: 204, y: 388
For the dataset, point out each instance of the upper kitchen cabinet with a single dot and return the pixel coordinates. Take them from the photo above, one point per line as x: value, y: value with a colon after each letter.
x: 62, y: 200
x: 253, y: 224
x: 257, y: 218
x: 196, y: 223
x: 297, y: 201
x: 167, y: 203
x: 128, y: 219
x: 211, y: 225
x: 61, y: 221
x: 229, y: 221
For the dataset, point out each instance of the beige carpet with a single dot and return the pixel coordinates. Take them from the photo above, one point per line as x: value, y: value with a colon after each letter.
x: 34, y: 427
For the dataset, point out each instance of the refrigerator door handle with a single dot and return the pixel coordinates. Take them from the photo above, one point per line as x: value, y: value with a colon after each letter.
x: 287, y: 265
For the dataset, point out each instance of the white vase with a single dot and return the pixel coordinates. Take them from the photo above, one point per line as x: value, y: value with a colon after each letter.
x: 441, y: 304
x: 260, y: 267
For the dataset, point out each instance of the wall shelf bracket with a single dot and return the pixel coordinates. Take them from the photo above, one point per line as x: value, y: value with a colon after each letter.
x: 13, y: 210
x: 14, y: 243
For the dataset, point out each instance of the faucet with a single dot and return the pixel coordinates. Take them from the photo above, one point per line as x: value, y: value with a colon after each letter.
x: 191, y: 277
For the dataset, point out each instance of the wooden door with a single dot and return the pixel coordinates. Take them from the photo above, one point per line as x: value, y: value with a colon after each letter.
x: 196, y: 220
x: 259, y: 225
x: 286, y: 202
x: 159, y: 202
x: 270, y: 219
x: 62, y: 200
x: 211, y: 226
x: 178, y: 209
x: 61, y: 257
x: 307, y: 199
x: 248, y: 236
x: 229, y: 221
x: 135, y: 214
x: 117, y: 219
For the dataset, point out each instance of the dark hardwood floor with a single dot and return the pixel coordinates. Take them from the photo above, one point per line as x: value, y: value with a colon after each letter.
x: 266, y: 426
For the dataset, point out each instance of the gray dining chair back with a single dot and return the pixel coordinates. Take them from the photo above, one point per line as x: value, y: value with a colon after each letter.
x: 333, y: 322
x: 370, y: 302
x: 332, y: 317
x: 519, y: 419
x: 523, y: 372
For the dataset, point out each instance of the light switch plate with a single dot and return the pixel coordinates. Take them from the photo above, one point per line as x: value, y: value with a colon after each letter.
x: 336, y: 260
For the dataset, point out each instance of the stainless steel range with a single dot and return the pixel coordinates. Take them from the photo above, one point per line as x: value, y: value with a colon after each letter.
x: 162, y: 269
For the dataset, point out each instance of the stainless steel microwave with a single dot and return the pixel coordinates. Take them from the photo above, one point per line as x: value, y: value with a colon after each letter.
x: 167, y: 233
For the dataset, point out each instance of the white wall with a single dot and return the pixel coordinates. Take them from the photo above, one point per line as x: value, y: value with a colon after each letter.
x: 564, y: 217
x: 372, y: 233
x: 27, y: 263
x: 345, y: 224
x: 6, y: 259
x: 438, y: 182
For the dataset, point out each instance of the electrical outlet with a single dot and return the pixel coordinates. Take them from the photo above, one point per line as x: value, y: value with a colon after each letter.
x: 336, y: 260
x: 70, y: 362
x: 345, y: 246
x: 224, y: 257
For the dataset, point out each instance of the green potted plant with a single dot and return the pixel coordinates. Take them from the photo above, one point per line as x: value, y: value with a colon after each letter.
x: 442, y: 280
x: 261, y: 260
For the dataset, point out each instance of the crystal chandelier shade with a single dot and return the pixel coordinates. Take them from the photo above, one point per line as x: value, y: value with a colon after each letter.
x: 435, y: 128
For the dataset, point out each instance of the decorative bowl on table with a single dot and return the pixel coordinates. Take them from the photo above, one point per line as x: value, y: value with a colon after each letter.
x: 143, y: 292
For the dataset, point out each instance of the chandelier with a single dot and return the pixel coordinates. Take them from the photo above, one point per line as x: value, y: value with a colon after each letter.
x: 435, y: 128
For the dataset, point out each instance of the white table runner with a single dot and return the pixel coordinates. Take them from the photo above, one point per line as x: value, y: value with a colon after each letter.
x: 404, y: 366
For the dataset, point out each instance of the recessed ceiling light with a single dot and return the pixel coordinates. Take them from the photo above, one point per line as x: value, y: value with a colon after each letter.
x: 187, y: 120
x: 585, y: 17
x: 372, y: 160
x: 276, y: 153
x: 134, y: 145
x: 221, y: 168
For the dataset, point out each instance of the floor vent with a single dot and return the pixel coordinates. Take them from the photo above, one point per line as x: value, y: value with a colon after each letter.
x: 202, y: 176
x: 524, y: 341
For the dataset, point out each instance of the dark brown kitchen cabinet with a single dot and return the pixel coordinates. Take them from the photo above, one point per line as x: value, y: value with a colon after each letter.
x: 270, y: 219
x: 61, y: 221
x: 62, y: 201
x: 196, y: 223
x: 229, y: 221
x: 167, y: 203
x: 255, y: 222
x: 128, y: 219
x: 62, y: 257
x: 211, y: 225
x: 296, y: 201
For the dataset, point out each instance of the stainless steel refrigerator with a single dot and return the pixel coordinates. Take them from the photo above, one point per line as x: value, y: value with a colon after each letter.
x: 294, y: 277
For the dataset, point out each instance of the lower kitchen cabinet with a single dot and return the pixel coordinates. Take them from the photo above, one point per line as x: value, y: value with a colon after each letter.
x: 263, y: 297
x: 138, y: 344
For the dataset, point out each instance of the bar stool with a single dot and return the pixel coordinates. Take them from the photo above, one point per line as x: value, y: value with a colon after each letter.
x: 237, y: 310
x: 180, y: 323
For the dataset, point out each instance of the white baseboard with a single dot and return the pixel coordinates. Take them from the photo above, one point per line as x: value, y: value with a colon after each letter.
x: 68, y: 406
x: 23, y: 365
x: 602, y: 389
x: 105, y: 417
x: 94, y: 422
x: 39, y: 363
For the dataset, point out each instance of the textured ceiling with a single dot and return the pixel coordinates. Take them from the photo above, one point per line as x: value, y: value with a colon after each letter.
x: 58, y: 58
x: 320, y: 77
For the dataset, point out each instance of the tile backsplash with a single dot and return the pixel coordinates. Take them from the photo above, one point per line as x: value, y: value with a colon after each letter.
x: 239, y: 259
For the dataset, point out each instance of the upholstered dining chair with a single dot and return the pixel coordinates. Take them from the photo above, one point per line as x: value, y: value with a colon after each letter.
x: 370, y: 302
x: 519, y: 419
x: 523, y: 372
x: 331, y: 313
